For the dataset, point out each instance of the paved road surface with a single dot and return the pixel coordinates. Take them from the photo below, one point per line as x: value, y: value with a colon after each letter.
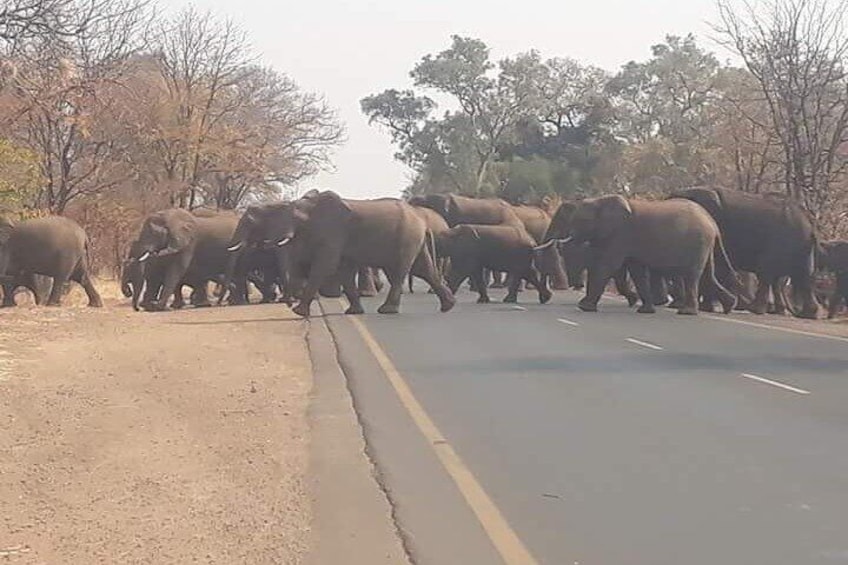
x: 610, y: 438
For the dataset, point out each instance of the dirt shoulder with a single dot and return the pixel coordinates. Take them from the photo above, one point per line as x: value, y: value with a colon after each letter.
x: 153, y: 438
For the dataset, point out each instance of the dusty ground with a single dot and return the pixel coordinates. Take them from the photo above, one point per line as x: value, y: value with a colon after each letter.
x: 178, y: 437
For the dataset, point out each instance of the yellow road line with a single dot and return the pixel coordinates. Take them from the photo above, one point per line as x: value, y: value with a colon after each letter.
x: 506, y: 541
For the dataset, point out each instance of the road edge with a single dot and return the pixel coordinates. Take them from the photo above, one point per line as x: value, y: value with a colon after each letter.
x: 352, y: 518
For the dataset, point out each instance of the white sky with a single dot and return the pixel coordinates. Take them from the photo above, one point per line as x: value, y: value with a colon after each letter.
x: 348, y: 49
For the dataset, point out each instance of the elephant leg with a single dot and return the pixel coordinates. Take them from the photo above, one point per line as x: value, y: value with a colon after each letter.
x: 324, y: 267
x: 81, y: 276
x: 171, y: 284
x: 59, y: 282
x: 378, y: 280
x: 659, y: 288
x: 691, y: 286
x: 409, y: 284
x: 366, y: 285
x: 639, y: 273
x: 8, y: 296
x: 760, y: 303
x: 456, y: 276
x: 595, y: 288
x: 513, y: 287
x: 601, y: 269
x: 712, y: 288
x: 426, y: 267
x: 802, y: 283
x: 179, y: 300
x: 559, y: 279
x: 497, y: 280
x: 678, y: 290
x: 840, y: 294
x: 200, y: 295
x: 478, y: 278
x: 348, y: 275
x: 622, y: 286
x: 779, y: 307
x: 392, y: 302
x: 540, y: 283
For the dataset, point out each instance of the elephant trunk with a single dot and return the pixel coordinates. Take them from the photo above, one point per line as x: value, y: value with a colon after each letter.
x: 229, y: 272
x: 126, y: 286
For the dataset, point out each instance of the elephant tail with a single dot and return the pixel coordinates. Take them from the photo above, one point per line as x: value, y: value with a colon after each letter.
x: 430, y: 242
x: 726, y: 271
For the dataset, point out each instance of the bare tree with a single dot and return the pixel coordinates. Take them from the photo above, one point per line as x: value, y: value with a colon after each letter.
x: 202, y: 58
x: 796, y: 50
x: 57, y: 98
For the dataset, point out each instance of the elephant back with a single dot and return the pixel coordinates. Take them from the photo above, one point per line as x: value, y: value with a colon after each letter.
x: 50, y: 232
x: 536, y: 221
x: 214, y: 234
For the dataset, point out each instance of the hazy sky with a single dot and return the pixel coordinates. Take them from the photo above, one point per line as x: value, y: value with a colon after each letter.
x: 350, y: 49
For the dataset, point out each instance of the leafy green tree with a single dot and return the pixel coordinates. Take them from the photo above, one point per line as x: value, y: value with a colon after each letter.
x: 457, y: 150
x: 661, y: 114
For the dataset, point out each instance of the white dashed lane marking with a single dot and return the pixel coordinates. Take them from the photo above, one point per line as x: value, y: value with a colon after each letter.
x: 775, y: 384
x: 567, y: 322
x: 644, y: 344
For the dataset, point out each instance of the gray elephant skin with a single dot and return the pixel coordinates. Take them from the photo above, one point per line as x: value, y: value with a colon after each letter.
x: 473, y: 248
x: 53, y: 246
x: 577, y: 255
x: 337, y: 235
x: 185, y: 250
x: 771, y: 237
x: 457, y: 209
x: 437, y: 226
x: 676, y: 237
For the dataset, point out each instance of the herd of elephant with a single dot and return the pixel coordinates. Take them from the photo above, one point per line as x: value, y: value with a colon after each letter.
x: 697, y: 247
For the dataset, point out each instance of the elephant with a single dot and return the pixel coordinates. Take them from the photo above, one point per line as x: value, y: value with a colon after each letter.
x: 246, y: 253
x: 472, y: 248
x: 676, y: 237
x: 833, y: 257
x: 53, y: 246
x: 134, y: 276
x: 457, y: 209
x: 577, y: 256
x: 437, y: 226
x: 768, y: 236
x: 186, y: 250
x: 337, y: 235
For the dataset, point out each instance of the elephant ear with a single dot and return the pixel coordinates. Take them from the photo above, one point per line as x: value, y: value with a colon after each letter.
x: 326, y: 214
x: 708, y: 198
x: 182, y: 230
x: 612, y: 213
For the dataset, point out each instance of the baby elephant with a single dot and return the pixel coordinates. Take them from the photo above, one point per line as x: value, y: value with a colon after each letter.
x: 473, y: 248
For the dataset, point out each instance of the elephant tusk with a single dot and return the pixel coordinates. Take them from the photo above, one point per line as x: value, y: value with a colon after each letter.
x: 283, y: 241
x: 544, y: 245
x: 236, y: 247
x: 565, y: 240
x: 144, y: 257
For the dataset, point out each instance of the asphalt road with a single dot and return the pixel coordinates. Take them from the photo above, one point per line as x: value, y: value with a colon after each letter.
x: 611, y: 438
